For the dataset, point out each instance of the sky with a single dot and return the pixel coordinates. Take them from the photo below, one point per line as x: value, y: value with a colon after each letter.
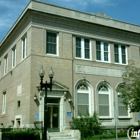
x: 122, y: 10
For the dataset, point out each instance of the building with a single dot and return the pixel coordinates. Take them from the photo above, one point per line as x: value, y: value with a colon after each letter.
x: 88, y: 53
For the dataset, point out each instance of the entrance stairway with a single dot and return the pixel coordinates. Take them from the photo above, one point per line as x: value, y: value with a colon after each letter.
x: 66, y: 135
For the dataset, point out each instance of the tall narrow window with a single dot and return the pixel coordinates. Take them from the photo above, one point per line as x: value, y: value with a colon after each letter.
x: 78, y: 47
x: 5, y: 64
x: 82, y: 99
x: 0, y: 69
x: 123, y: 54
x: 13, y: 57
x: 18, y: 103
x: 120, y: 54
x: 116, y: 53
x: 4, y: 102
x: 51, y: 46
x: 106, y: 51
x: 82, y: 48
x: 87, y: 49
x: 24, y: 48
x: 98, y: 50
x: 122, y: 111
x: 19, y: 90
x: 102, y: 51
x: 104, y: 101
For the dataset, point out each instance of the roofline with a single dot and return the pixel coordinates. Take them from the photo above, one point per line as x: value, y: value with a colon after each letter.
x: 15, y: 24
x: 118, y: 25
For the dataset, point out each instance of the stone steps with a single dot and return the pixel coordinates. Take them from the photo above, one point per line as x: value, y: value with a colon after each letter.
x: 65, y: 135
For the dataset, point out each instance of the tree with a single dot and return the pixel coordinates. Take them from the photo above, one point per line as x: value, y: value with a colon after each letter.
x: 130, y: 88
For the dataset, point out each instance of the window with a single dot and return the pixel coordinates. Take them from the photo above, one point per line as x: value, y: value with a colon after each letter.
x: 18, y: 123
x: 120, y: 54
x: 102, y: 51
x: 18, y: 104
x: 24, y: 47
x: 82, y: 48
x: 4, y: 102
x: 51, y: 46
x: 82, y: 99
x: 5, y: 64
x: 19, y: 90
x: 122, y: 111
x: 104, y: 101
x: 13, y: 57
x: 0, y: 69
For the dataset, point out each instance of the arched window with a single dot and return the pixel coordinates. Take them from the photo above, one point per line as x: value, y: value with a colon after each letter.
x: 82, y: 99
x: 122, y: 110
x: 104, y: 100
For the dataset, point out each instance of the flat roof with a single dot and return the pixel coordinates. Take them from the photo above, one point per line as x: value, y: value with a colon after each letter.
x: 100, y: 19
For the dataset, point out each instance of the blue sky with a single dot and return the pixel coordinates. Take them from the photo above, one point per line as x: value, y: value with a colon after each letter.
x: 123, y: 10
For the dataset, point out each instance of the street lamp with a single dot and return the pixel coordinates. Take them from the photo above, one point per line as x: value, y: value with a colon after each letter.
x: 46, y: 86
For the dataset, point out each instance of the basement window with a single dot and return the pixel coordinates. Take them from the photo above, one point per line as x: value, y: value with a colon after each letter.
x: 18, y: 104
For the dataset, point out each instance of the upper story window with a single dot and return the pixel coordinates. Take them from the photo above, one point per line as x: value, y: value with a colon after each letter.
x: 4, y: 102
x: 5, y: 64
x: 0, y: 69
x: 120, y: 54
x: 14, y: 57
x: 24, y: 47
x: 102, y: 51
x: 83, y: 48
x: 52, y: 44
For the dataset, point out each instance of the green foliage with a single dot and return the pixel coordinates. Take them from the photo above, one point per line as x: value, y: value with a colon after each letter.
x: 130, y: 89
x: 21, y: 135
x: 106, y: 136
x: 136, y: 127
x: 88, y: 125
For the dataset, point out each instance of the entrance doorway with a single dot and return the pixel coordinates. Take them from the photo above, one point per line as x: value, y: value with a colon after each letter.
x: 53, y: 114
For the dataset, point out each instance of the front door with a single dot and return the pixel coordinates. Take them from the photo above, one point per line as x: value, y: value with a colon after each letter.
x: 53, y: 114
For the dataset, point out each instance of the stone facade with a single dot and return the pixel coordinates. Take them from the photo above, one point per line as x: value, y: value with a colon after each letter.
x: 20, y: 82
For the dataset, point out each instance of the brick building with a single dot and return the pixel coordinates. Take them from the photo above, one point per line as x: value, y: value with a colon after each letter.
x: 88, y: 53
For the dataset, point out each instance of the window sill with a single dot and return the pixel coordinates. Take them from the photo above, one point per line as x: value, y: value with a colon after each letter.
x: 120, y: 64
x: 105, y: 118
x: 3, y: 114
x: 103, y: 61
x: 83, y: 59
x: 124, y: 118
x: 24, y: 58
x: 52, y: 55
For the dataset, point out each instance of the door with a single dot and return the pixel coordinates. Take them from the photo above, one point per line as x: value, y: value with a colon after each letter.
x: 53, y: 114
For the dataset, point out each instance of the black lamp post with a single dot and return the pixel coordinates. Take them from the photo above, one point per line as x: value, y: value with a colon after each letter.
x: 46, y: 86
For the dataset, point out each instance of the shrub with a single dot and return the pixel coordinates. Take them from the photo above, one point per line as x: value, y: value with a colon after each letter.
x: 21, y: 135
x: 88, y: 125
x: 106, y: 136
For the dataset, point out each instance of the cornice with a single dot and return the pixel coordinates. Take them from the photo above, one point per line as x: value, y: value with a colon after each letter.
x: 99, y: 19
